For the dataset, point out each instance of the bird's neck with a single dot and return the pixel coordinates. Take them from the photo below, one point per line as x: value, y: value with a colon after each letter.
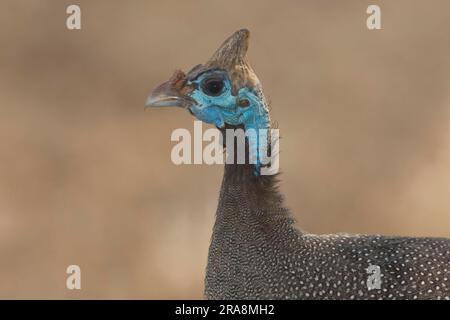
x: 249, y: 190
x: 257, y: 192
x: 251, y: 221
x: 251, y: 225
x: 246, y: 197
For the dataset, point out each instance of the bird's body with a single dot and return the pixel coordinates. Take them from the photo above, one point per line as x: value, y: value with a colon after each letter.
x: 256, y: 252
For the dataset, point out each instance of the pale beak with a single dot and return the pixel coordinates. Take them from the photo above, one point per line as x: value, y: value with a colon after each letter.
x: 163, y: 101
x: 166, y: 96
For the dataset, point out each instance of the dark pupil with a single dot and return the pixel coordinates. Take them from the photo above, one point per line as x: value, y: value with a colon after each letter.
x: 213, y: 87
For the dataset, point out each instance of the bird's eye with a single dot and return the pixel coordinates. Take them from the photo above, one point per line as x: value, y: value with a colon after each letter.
x: 212, y: 86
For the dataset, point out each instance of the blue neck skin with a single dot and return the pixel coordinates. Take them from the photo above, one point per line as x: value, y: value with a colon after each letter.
x: 256, y: 122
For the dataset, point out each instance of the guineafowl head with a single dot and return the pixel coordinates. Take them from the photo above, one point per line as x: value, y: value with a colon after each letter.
x: 224, y: 91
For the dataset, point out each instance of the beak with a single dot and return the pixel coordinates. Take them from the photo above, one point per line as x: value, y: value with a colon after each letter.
x: 167, y: 96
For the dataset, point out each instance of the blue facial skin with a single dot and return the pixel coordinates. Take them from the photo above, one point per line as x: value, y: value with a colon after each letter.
x: 223, y: 108
x: 213, y: 109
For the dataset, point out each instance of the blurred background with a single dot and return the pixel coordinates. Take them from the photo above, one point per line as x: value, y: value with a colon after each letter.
x: 85, y: 172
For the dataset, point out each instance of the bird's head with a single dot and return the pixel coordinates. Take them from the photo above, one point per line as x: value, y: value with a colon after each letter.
x: 223, y: 91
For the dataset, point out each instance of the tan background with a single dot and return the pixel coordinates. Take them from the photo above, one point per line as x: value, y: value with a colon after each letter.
x: 85, y: 173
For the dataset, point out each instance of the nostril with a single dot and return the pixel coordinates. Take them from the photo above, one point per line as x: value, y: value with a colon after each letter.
x: 243, y: 103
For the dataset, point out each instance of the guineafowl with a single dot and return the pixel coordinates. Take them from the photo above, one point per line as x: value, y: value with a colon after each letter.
x: 256, y: 252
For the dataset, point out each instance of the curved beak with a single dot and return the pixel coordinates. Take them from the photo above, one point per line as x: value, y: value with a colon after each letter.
x: 166, y: 95
x: 164, y: 101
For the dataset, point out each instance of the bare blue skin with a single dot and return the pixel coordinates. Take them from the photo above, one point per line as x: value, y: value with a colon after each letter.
x: 224, y: 108
x: 214, y: 109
